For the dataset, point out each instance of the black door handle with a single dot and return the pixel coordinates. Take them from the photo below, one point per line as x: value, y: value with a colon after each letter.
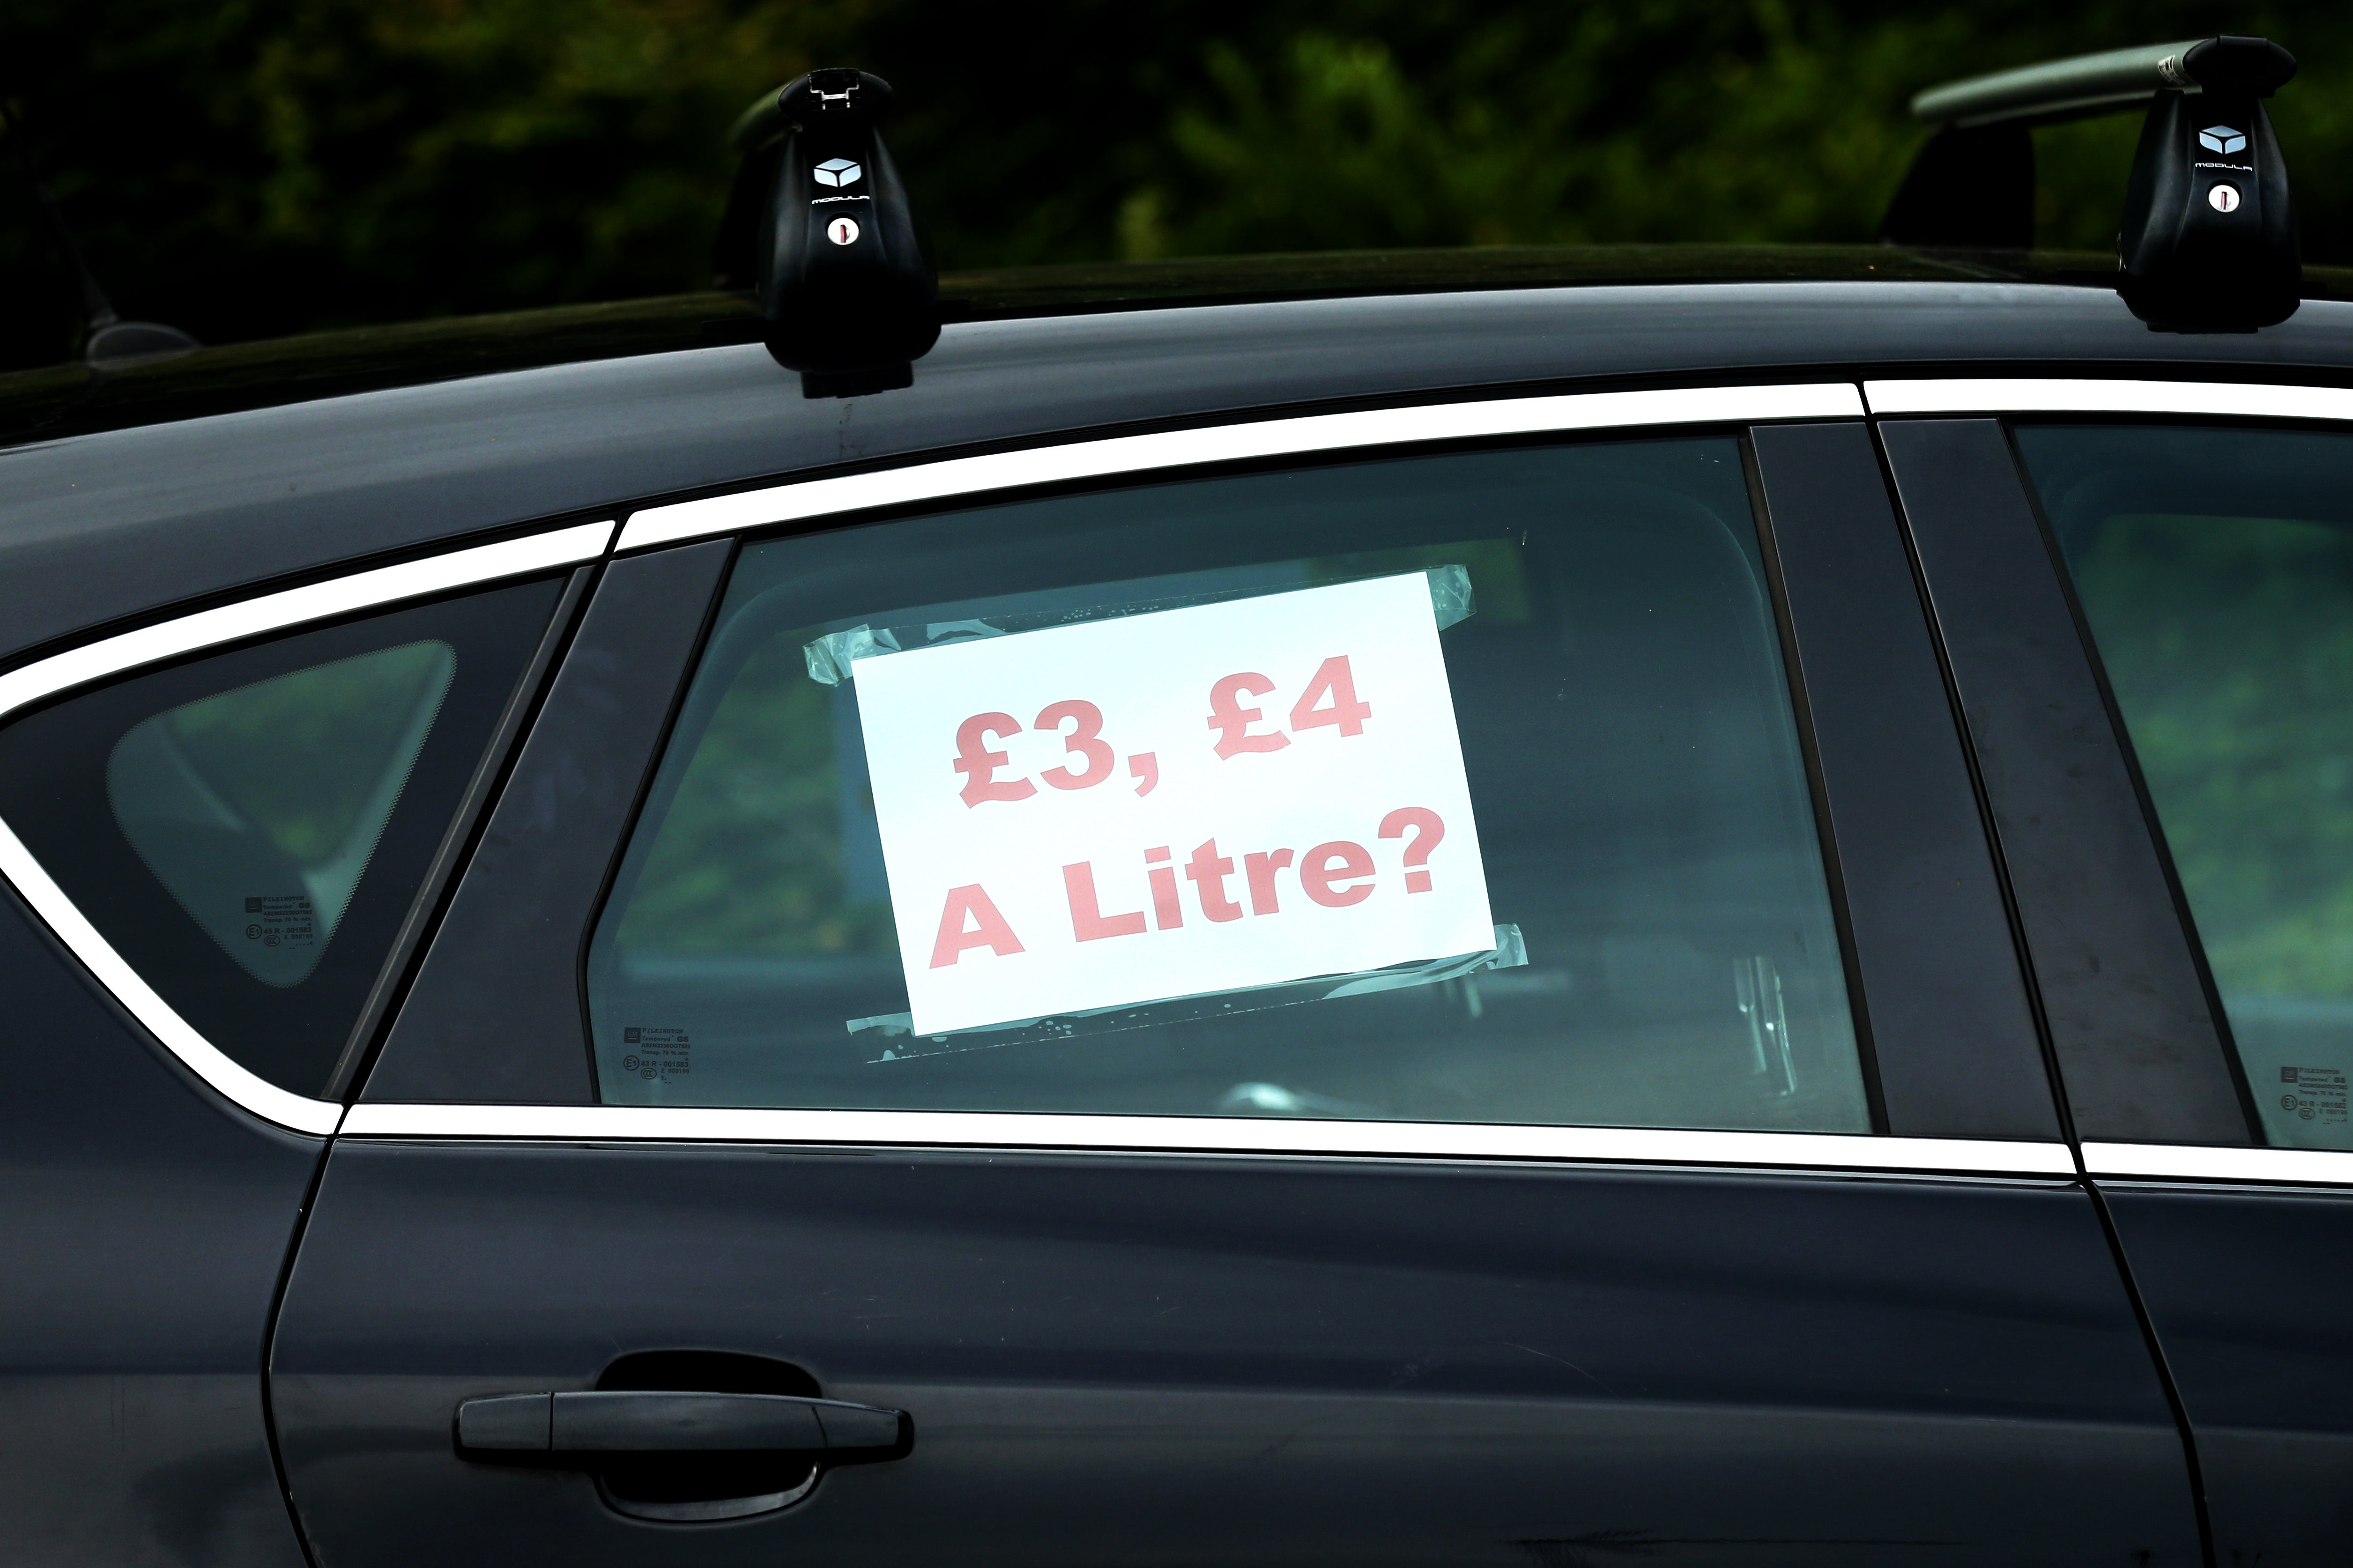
x: 631, y: 1421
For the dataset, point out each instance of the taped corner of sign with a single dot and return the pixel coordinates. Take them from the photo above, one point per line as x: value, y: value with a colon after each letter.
x: 830, y: 657
x: 937, y: 632
x: 1452, y: 599
x: 1510, y: 951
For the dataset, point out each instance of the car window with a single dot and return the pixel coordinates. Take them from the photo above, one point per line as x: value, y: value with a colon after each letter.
x: 258, y: 809
x: 1456, y: 788
x: 247, y: 828
x: 2215, y: 570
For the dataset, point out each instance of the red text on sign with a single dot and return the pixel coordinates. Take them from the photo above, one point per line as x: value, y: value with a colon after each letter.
x: 1167, y: 912
x: 1086, y: 721
x: 1088, y: 922
x: 970, y: 904
x: 1333, y: 681
x: 1208, y: 871
x: 1259, y: 871
x: 1084, y: 740
x: 1228, y: 716
x: 979, y: 764
x: 1329, y: 700
x: 1336, y: 875
x: 1323, y: 869
x: 1428, y: 831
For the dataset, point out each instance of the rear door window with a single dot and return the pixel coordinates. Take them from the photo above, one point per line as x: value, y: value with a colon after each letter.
x: 247, y: 828
x: 2215, y: 572
x: 1457, y: 789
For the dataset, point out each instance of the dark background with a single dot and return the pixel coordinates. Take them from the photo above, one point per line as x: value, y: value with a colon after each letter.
x: 250, y: 168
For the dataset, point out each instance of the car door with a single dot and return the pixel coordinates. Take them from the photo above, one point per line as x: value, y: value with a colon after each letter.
x: 215, y: 828
x: 727, y: 1189
x: 2143, y: 588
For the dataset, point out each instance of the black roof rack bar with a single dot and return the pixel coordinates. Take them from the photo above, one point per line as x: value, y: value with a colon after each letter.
x: 2058, y: 89
x: 2207, y: 241
x: 762, y: 120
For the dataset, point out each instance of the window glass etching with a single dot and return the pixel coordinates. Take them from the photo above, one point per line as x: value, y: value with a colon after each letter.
x: 247, y: 828
x: 2215, y: 569
x: 259, y: 808
x: 1654, y: 947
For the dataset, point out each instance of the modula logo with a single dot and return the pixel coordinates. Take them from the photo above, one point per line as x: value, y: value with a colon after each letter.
x: 837, y: 172
x: 2220, y: 139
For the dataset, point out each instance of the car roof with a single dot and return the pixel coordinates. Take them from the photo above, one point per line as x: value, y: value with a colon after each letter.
x: 162, y: 486
x: 74, y: 399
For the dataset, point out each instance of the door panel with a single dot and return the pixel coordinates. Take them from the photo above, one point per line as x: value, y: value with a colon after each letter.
x: 2215, y: 554
x: 1117, y: 1357
x: 1174, y: 1359
x: 246, y: 833
x: 2248, y: 1290
x: 142, y: 1235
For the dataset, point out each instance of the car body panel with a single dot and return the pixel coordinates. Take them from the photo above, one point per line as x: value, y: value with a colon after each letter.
x: 2243, y: 1285
x: 1094, y: 1344
x: 1113, y: 1360
x: 2247, y: 1287
x: 118, y: 524
x: 146, y: 1227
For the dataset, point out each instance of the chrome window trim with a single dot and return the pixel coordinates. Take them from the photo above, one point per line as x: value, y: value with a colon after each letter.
x: 953, y: 478
x: 1207, y: 1134
x: 2327, y: 1167
x: 2057, y: 394
x: 1241, y: 439
x: 208, y: 629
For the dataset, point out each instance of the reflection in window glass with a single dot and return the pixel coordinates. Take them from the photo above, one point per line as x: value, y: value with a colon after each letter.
x: 1589, y: 625
x: 259, y: 808
x: 249, y: 829
x: 2215, y: 568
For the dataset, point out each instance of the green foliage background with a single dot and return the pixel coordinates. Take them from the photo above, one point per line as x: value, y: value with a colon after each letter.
x: 2229, y: 644
x: 305, y: 757
x: 247, y: 168
x: 749, y: 857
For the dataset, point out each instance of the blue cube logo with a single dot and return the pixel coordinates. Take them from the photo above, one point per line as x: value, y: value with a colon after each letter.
x: 2220, y: 139
x: 838, y: 172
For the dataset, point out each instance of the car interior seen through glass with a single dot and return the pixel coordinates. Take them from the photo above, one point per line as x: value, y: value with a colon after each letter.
x: 1458, y: 788
x: 247, y: 828
x: 2215, y: 569
x: 284, y: 786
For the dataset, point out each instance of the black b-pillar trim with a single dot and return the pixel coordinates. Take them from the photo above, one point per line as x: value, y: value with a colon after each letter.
x: 2138, y: 1053
x: 495, y: 1014
x: 1951, y: 1029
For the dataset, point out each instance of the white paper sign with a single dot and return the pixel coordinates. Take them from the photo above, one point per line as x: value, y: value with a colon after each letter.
x: 1193, y: 800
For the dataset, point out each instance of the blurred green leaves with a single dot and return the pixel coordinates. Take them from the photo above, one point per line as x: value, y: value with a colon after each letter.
x: 1332, y: 143
x: 253, y: 167
x: 261, y: 166
x: 2229, y: 643
x: 749, y: 857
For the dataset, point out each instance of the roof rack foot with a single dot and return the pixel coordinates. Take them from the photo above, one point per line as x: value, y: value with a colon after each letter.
x: 856, y: 383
